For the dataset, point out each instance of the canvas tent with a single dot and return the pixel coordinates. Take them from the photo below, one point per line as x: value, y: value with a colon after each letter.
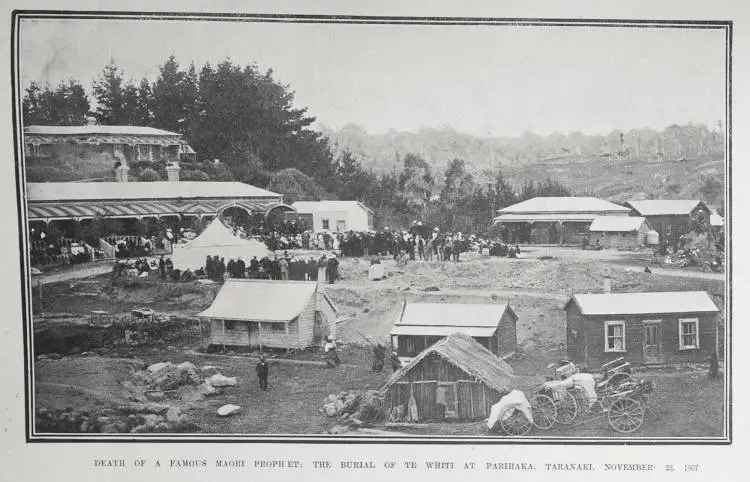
x: 216, y: 240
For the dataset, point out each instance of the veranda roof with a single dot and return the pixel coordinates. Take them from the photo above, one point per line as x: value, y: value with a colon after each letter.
x: 570, y: 205
x: 137, y: 191
x: 467, y: 354
x: 98, y: 130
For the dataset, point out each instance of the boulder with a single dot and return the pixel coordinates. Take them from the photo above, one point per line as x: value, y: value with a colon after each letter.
x: 336, y: 429
x: 186, y: 365
x: 206, y: 389
x: 156, y: 396
x: 227, y: 410
x: 331, y: 398
x: 159, y: 366
x: 220, y: 380
x: 152, y: 420
x: 173, y: 414
x: 339, y: 405
x: 330, y: 410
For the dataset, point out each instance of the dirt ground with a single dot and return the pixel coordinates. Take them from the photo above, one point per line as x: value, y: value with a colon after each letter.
x: 536, y: 288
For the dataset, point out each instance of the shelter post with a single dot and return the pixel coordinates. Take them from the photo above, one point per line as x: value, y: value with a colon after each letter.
x: 260, y: 339
x: 200, y: 332
x: 224, y: 334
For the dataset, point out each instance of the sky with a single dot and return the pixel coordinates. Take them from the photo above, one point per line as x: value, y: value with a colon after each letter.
x: 483, y: 80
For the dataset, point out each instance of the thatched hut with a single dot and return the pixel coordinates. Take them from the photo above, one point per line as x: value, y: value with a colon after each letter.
x: 456, y: 369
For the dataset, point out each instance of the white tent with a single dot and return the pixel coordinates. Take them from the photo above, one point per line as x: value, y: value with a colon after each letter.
x: 216, y: 240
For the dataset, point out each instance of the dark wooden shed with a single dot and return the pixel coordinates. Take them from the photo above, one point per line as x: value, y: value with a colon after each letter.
x: 472, y: 378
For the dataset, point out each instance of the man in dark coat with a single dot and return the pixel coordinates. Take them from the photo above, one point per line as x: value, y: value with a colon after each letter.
x: 332, y: 270
x: 162, y: 267
x: 254, y: 267
x: 262, y: 370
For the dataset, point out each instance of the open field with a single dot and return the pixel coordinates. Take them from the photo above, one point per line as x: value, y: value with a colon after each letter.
x: 536, y: 289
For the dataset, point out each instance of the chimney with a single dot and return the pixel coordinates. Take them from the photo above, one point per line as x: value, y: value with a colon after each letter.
x: 91, y: 121
x: 173, y: 172
x: 121, y: 173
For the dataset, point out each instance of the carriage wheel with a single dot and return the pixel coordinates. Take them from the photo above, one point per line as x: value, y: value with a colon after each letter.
x: 515, y: 423
x: 583, y: 404
x: 567, y: 409
x: 543, y: 411
x: 626, y: 415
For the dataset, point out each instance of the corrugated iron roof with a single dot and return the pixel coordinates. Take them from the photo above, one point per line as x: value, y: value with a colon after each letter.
x: 98, y: 130
x: 617, y: 224
x: 665, y: 207
x: 467, y: 354
x: 471, y: 331
x: 88, y: 191
x: 453, y: 314
x: 549, y: 218
x: 665, y: 302
x: 309, y: 207
x: 564, y: 205
x: 259, y: 300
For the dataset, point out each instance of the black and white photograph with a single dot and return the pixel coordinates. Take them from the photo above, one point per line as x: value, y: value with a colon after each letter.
x: 375, y: 229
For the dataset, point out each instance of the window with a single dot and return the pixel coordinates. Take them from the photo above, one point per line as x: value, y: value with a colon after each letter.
x: 614, y: 336
x: 410, y: 346
x: 340, y: 226
x: 278, y: 327
x: 326, y: 224
x: 689, y: 333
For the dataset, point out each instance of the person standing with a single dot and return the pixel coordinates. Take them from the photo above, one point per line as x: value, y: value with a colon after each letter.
x: 284, y: 269
x: 262, y: 370
x: 162, y: 267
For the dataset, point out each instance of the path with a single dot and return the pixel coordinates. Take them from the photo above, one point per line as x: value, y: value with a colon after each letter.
x: 77, y: 272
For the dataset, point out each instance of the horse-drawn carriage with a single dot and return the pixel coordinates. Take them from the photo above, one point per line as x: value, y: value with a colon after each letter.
x: 571, y: 397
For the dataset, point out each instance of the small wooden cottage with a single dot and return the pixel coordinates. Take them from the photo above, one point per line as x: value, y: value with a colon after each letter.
x: 619, y: 231
x: 470, y: 378
x: 275, y: 314
x: 420, y: 325
x: 671, y: 218
x: 645, y: 328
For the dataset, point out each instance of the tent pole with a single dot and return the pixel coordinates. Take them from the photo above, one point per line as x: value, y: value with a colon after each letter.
x: 224, y: 334
x: 200, y: 331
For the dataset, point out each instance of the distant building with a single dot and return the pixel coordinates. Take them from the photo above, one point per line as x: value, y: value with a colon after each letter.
x: 273, y: 314
x: 420, y: 325
x: 554, y: 220
x: 336, y: 216
x: 619, y: 231
x: 457, y: 371
x: 671, y: 218
x: 123, y: 143
x: 648, y: 328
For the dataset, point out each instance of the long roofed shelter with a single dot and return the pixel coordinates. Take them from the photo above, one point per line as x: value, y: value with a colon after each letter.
x: 554, y: 220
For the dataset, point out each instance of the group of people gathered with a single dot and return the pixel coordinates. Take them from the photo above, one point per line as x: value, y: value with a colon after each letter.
x: 285, y: 267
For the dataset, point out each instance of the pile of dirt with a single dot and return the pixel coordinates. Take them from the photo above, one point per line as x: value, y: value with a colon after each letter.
x: 355, y: 407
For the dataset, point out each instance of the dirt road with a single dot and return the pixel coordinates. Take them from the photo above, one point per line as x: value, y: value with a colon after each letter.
x: 74, y: 272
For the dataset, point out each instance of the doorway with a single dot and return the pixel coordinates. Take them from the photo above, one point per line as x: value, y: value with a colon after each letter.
x: 652, y: 341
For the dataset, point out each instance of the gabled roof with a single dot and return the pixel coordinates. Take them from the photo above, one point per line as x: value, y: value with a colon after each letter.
x: 309, y: 207
x: 103, y: 191
x: 261, y: 300
x: 666, y: 302
x: 564, y: 205
x: 666, y: 207
x: 442, y: 319
x: 467, y: 354
x: 617, y: 224
x: 98, y: 130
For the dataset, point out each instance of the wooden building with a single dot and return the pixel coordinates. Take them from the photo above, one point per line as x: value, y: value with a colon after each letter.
x: 336, y: 216
x: 420, y: 325
x: 645, y: 328
x: 274, y: 314
x: 470, y: 377
x: 671, y: 218
x: 619, y: 231
x: 554, y: 220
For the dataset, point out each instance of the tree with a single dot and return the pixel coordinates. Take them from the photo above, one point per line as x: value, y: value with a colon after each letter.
x: 67, y: 105
x: 417, y: 182
x: 175, y: 94
x: 296, y: 186
x: 108, y: 90
x: 144, y: 106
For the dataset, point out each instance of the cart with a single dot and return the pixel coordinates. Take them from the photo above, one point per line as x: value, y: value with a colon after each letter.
x: 623, y: 405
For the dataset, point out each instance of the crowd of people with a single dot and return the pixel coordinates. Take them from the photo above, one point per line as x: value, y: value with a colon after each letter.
x: 285, y: 267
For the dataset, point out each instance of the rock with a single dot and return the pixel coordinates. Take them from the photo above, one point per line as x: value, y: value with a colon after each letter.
x: 206, y: 368
x: 152, y: 420
x: 186, y: 365
x: 338, y: 429
x: 87, y: 426
x: 108, y: 428
x: 173, y: 414
x: 159, y: 366
x: 121, y: 426
x: 227, y: 410
x: 206, y: 389
x: 431, y: 288
x: 330, y: 410
x: 331, y: 398
x: 343, y: 394
x: 156, y: 396
x: 339, y: 406
x: 220, y: 380
x: 162, y: 427
x: 103, y: 420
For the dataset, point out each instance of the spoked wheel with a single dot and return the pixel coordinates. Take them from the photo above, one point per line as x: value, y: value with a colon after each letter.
x: 567, y: 408
x: 514, y: 422
x: 543, y: 411
x: 583, y: 404
x: 626, y: 415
